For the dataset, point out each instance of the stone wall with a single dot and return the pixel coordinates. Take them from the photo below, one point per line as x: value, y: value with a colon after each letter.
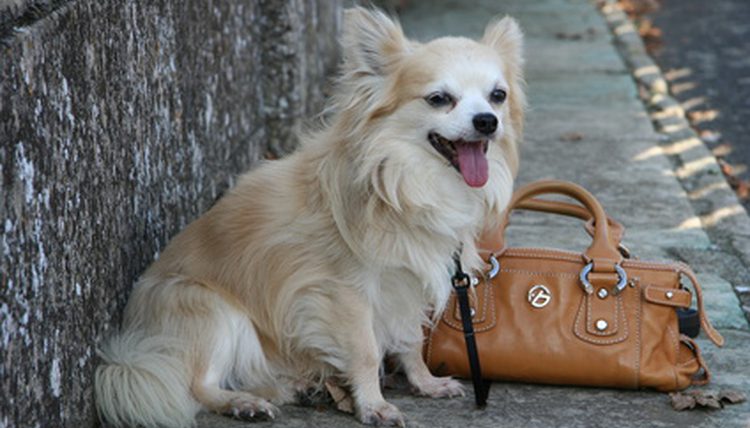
x: 120, y: 122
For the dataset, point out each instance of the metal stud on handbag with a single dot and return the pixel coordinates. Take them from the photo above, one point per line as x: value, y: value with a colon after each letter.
x: 594, y: 318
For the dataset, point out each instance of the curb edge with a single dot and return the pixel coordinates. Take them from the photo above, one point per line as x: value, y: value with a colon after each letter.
x: 716, y: 205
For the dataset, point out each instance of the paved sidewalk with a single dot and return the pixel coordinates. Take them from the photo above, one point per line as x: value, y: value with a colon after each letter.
x: 587, y: 125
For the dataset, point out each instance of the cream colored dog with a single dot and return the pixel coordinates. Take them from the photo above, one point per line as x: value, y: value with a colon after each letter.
x: 316, y: 266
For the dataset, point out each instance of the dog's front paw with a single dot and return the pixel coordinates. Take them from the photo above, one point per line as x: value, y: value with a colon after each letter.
x: 251, y: 409
x: 380, y: 414
x: 439, y: 387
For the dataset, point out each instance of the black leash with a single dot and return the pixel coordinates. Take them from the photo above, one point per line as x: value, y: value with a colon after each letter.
x: 461, y: 283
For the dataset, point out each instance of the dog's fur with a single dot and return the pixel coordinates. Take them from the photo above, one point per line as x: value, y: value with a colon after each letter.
x: 316, y: 266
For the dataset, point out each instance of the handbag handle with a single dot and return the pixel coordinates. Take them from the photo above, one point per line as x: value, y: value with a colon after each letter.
x: 616, y: 229
x: 603, y: 254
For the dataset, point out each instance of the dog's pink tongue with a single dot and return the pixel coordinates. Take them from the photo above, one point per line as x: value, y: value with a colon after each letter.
x: 472, y: 163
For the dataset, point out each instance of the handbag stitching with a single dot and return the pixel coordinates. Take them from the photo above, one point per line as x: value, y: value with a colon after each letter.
x: 457, y: 311
x: 477, y: 320
x: 670, y: 330
x: 544, y: 255
x: 530, y: 272
x: 677, y: 352
x: 671, y: 267
x: 577, y: 332
x: 676, y: 340
x: 446, y: 318
x: 638, y: 343
x: 545, y: 252
x: 491, y: 297
x: 618, y: 309
x: 492, y: 320
x: 655, y: 300
x: 429, y: 345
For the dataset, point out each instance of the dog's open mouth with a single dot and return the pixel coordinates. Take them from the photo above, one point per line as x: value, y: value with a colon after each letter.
x: 468, y: 157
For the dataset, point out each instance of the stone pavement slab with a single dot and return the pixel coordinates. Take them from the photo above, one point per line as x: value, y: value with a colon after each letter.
x: 515, y: 405
x: 578, y: 84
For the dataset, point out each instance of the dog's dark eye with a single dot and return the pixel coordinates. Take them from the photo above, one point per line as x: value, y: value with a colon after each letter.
x: 439, y: 99
x: 498, y: 96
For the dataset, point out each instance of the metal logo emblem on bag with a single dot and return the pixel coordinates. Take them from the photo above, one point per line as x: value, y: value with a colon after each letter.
x: 539, y: 296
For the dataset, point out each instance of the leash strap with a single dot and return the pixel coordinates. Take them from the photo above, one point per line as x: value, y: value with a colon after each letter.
x: 461, y: 283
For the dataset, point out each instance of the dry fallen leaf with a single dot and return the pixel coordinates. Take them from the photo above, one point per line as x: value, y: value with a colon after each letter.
x: 571, y: 137
x: 710, y: 136
x: 569, y: 36
x: 701, y: 116
x: 639, y: 7
x: 341, y: 397
x: 681, y: 401
x: 740, y: 187
x: 708, y: 399
x: 743, y: 189
x: 731, y: 396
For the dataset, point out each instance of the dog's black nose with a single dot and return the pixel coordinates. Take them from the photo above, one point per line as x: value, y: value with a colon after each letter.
x: 486, y: 123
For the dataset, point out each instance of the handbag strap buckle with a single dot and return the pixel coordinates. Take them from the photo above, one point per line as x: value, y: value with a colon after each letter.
x: 589, y: 289
x: 494, y: 267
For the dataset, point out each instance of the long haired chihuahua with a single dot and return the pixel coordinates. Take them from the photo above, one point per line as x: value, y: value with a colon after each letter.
x: 317, y: 266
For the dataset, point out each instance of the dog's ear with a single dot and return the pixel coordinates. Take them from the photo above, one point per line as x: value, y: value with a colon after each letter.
x: 505, y: 36
x: 371, y: 41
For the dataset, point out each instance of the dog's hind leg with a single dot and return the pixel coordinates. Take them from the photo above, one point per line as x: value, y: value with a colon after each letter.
x: 232, y: 357
x: 236, y: 361
x: 228, y: 370
x: 237, y: 404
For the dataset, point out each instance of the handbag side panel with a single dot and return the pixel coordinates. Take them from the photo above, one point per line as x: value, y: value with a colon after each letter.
x: 667, y: 362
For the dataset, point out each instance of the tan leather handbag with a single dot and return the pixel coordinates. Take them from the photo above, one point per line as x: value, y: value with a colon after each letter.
x: 596, y: 318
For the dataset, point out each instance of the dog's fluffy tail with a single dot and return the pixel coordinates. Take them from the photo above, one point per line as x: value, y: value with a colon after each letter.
x: 143, y: 382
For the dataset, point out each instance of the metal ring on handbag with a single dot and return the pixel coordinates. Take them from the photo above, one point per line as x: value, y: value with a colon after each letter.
x: 584, y: 276
x: 495, y: 269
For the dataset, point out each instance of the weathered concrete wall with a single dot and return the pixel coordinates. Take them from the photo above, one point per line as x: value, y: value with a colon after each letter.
x: 16, y: 14
x: 120, y: 122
